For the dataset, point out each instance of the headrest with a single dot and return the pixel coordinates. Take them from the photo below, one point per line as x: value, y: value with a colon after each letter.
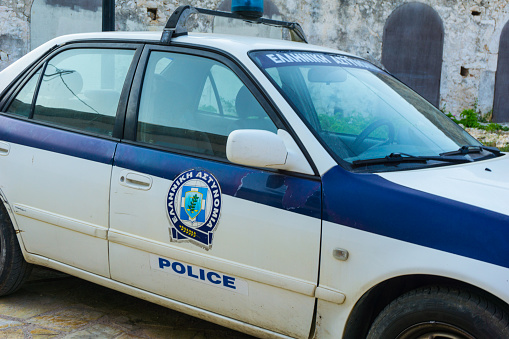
x: 247, y: 106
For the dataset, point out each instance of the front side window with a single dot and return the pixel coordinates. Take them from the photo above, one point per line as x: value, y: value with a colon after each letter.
x: 81, y: 89
x: 191, y: 103
x: 362, y: 113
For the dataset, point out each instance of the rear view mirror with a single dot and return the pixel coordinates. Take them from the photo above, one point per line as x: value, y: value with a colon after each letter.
x: 326, y: 74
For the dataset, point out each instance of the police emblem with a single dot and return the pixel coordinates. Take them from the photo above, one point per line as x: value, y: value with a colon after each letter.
x: 194, y: 206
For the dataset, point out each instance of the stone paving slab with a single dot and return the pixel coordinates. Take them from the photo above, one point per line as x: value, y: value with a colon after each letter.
x: 55, y: 305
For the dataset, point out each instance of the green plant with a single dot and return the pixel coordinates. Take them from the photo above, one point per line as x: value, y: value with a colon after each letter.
x: 470, y: 118
x: 492, y: 127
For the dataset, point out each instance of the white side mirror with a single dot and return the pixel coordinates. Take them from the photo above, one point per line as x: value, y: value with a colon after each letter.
x: 257, y: 148
x: 260, y: 148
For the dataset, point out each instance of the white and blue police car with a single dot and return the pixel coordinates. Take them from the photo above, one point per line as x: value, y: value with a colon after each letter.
x: 274, y: 187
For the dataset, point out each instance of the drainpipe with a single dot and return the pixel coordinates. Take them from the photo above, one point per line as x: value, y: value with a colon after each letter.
x: 108, y: 15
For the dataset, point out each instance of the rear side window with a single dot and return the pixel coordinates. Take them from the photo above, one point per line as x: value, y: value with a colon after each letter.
x: 80, y: 89
x: 22, y: 103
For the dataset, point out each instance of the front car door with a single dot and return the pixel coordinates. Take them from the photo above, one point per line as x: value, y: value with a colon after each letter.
x: 189, y: 225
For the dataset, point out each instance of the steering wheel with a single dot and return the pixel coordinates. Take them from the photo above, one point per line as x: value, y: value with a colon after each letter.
x: 370, y: 129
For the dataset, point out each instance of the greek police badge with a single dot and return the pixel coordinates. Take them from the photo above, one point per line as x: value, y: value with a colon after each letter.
x: 194, y: 206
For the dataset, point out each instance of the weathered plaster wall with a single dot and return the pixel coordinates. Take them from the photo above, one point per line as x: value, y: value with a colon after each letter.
x: 50, y: 18
x: 14, y: 30
x: 472, y: 33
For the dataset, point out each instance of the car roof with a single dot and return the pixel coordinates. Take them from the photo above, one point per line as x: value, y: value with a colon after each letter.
x: 231, y: 43
x: 235, y: 45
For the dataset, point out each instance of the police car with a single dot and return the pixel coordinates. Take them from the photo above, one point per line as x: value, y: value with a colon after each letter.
x: 274, y: 187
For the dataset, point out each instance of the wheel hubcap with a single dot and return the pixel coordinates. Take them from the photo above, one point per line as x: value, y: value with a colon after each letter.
x: 434, y: 330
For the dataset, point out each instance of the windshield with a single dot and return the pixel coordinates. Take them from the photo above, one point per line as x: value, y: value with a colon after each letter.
x: 359, y: 111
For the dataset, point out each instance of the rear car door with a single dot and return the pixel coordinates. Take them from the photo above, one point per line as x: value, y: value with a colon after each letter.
x: 189, y: 225
x: 58, y: 130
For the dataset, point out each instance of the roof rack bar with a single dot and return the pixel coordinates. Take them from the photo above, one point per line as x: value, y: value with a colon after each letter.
x: 176, y: 24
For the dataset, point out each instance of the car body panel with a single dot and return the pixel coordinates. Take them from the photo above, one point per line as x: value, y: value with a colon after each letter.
x: 101, y: 204
x: 374, y: 259
x: 373, y: 204
x: 57, y: 219
x: 484, y: 184
x: 247, y: 246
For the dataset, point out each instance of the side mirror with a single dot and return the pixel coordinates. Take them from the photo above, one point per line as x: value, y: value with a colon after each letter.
x: 260, y: 148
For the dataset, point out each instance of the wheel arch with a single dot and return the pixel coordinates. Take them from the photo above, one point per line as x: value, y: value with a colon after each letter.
x: 4, y: 204
x: 379, y: 296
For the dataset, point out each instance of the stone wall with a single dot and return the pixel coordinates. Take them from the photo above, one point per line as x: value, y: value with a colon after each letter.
x: 472, y: 34
x: 14, y: 30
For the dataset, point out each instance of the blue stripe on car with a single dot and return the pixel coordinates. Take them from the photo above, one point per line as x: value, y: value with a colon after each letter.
x: 363, y: 201
x: 373, y: 204
x: 286, y: 192
x: 55, y: 140
x: 280, y: 191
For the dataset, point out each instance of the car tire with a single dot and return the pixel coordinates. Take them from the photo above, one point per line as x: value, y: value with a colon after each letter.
x: 440, y: 312
x: 14, y: 270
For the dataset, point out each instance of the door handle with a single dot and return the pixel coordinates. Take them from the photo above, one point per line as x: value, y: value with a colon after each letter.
x: 135, y: 180
x: 5, y: 148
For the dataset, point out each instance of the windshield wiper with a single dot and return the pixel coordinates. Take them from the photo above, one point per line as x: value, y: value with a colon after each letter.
x: 466, y: 149
x: 397, y: 158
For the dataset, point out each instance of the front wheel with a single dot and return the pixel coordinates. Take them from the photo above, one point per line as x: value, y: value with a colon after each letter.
x: 14, y: 270
x: 440, y: 313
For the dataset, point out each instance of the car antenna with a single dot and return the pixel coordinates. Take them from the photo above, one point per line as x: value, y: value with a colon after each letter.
x: 176, y: 25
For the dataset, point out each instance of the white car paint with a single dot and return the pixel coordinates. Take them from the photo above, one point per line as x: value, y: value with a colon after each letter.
x: 374, y: 259
x: 484, y: 184
x: 60, y: 220
x: 281, y: 288
x: 75, y: 233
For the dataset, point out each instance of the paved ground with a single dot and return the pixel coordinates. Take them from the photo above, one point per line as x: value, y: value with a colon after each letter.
x: 55, y: 305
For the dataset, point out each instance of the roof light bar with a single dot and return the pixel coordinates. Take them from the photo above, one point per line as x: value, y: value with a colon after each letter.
x: 176, y: 25
x: 248, y: 8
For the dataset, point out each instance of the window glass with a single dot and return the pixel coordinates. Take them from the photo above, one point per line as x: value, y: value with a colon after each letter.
x: 81, y: 89
x: 228, y: 86
x: 362, y: 113
x: 209, y: 100
x: 21, y: 105
x: 193, y: 103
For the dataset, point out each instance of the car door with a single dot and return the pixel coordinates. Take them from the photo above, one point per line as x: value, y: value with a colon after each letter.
x: 189, y: 225
x: 58, y: 136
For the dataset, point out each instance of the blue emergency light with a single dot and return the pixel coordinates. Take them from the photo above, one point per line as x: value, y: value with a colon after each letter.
x: 248, y: 8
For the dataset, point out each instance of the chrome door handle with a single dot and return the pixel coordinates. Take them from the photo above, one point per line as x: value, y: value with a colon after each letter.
x: 135, y: 180
x: 5, y: 148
